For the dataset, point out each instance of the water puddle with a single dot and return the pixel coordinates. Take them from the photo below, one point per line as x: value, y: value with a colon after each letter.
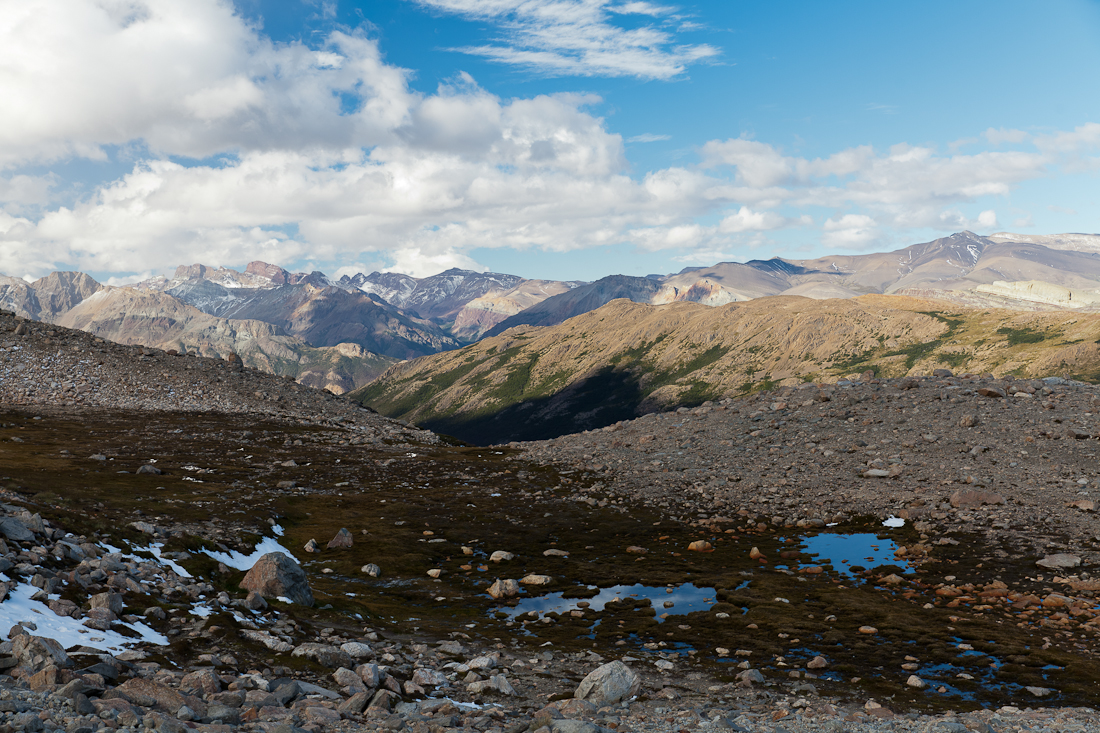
x: 845, y: 551
x: 667, y: 601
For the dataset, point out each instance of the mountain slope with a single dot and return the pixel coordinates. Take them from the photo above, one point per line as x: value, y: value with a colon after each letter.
x: 439, y: 297
x: 625, y: 359
x: 322, y: 316
x: 158, y: 320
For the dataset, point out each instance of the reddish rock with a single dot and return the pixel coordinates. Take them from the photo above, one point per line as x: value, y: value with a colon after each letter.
x: 277, y: 576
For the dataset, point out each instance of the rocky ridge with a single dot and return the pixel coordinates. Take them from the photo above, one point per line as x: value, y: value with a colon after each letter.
x: 42, y: 364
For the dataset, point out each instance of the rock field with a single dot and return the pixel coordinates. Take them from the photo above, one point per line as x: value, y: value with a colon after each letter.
x: 90, y: 462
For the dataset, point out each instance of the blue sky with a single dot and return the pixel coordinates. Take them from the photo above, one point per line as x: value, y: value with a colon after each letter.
x: 565, y: 139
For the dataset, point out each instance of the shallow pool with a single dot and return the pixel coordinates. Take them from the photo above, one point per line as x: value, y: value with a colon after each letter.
x: 684, y: 599
x: 865, y: 550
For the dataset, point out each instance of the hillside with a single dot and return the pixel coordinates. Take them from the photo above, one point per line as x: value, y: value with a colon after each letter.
x: 158, y: 320
x: 626, y: 359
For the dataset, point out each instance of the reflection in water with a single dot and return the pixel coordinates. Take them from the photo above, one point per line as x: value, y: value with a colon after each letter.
x: 844, y: 550
x: 684, y: 598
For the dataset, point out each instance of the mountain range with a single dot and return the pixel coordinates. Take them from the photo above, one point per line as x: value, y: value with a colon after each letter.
x: 342, y: 333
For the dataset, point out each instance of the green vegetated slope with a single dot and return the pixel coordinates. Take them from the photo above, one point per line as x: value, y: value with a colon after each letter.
x: 626, y: 359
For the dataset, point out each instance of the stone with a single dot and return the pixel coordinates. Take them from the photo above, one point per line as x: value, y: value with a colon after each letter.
x: 536, y: 580
x: 635, y: 550
x: 503, y: 589
x: 342, y: 539
x: 429, y: 678
x: 435, y: 573
x: 357, y: 649
x: 38, y: 652
x: 150, y: 694
x: 149, y: 468
x: 994, y: 392
x: 1059, y: 561
x: 573, y: 726
x: 355, y: 704
x: 701, y: 546
x: 501, y: 556
x: 110, y: 601
x: 751, y: 677
x: 868, y: 630
x: 324, y: 654
x: 320, y: 716
x: 915, y: 682
x: 968, y: 421
x: 15, y: 530
x: 817, y: 662
x: 608, y: 684
x: 371, y: 569
x: 311, y: 546
x: 201, y: 682
x: 554, y: 552
x: 276, y: 575
x: 756, y: 554
x: 255, y: 602
x: 1040, y: 691
x: 370, y: 674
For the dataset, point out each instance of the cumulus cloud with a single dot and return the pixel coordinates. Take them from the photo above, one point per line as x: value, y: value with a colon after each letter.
x: 246, y: 149
x: 851, y: 231
x: 187, y: 77
x: 578, y: 37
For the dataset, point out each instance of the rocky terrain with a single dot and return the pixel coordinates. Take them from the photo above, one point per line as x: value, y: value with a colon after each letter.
x: 684, y: 571
x: 626, y: 359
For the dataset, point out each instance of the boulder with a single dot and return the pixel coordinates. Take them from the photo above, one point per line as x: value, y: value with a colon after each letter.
x: 15, y: 530
x: 342, y: 539
x: 503, y: 589
x: 276, y: 575
x: 608, y: 684
x: 324, y: 654
x: 1061, y: 561
x: 38, y: 652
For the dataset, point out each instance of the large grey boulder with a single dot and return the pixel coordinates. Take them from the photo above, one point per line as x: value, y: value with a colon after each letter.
x: 15, y: 530
x: 276, y: 575
x: 609, y: 684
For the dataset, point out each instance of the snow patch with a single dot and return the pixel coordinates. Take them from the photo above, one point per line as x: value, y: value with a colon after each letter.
x: 245, y: 562
x: 68, y: 632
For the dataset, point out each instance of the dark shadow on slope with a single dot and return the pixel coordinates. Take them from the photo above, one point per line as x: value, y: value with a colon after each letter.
x: 600, y: 400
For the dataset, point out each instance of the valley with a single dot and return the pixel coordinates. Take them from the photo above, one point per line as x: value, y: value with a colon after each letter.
x: 913, y: 550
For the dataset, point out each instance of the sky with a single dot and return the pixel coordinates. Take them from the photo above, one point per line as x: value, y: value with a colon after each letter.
x: 557, y: 139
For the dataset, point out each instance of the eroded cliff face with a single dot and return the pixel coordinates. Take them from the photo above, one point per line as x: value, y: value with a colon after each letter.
x: 1039, y: 291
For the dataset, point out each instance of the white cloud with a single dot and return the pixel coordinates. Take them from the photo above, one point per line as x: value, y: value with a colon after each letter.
x: 187, y: 77
x: 851, y: 231
x: 648, y: 137
x: 747, y: 220
x: 248, y: 150
x: 577, y: 37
